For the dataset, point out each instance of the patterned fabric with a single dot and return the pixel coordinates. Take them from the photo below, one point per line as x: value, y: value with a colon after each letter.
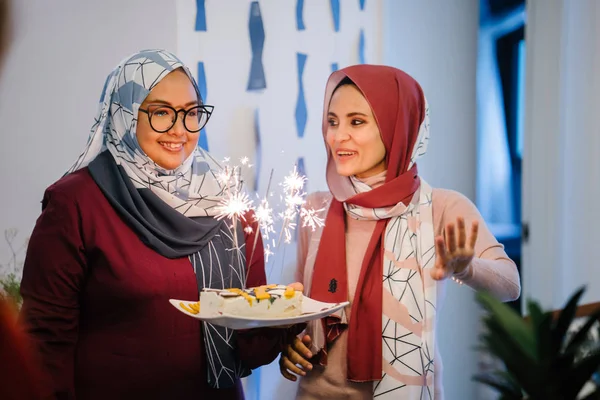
x: 409, y: 320
x: 170, y: 210
x: 408, y: 332
x: 405, y: 228
x: 192, y: 188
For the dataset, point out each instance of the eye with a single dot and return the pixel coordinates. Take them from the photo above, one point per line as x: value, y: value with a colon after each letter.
x: 356, y: 122
x: 332, y: 122
x: 159, y: 113
x: 193, y: 113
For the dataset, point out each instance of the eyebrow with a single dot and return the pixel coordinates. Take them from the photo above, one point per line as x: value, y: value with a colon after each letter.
x: 159, y: 101
x: 352, y: 114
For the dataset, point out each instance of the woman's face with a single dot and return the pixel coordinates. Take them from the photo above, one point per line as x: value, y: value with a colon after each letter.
x: 353, y: 135
x: 169, y: 149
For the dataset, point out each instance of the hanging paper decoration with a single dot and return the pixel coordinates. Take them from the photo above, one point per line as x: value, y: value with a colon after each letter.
x: 200, y: 16
x: 361, y: 47
x: 335, y: 12
x: 301, y: 112
x: 300, y: 15
x: 203, y: 140
x: 256, y: 81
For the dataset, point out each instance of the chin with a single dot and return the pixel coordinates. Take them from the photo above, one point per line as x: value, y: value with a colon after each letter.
x: 169, y: 164
x: 345, y: 172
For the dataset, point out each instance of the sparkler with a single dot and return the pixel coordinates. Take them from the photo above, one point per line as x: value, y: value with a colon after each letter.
x: 310, y: 217
x: 293, y: 186
x: 236, y: 204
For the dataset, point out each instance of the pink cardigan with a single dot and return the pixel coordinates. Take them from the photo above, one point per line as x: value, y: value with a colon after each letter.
x: 491, y: 270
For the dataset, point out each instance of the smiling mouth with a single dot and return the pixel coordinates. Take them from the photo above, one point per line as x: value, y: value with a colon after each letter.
x: 171, y: 146
x: 345, y: 154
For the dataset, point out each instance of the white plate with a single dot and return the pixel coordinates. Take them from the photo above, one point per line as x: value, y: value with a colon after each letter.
x: 311, y: 310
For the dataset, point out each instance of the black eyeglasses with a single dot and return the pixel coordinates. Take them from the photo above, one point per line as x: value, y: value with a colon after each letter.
x: 162, y: 118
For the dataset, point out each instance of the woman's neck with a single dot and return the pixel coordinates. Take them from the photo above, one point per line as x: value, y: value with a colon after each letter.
x: 375, y: 180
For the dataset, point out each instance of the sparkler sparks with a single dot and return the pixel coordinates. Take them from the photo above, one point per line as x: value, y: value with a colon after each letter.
x: 234, y: 207
x: 310, y: 217
x: 268, y: 253
x: 293, y: 185
x: 236, y: 204
x: 263, y: 214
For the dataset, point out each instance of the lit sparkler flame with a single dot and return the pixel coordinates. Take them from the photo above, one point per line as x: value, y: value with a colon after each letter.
x: 268, y: 253
x: 234, y: 207
x: 263, y: 214
x: 236, y: 204
x: 310, y: 217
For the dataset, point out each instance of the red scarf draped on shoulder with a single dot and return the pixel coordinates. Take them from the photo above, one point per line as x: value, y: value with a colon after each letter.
x: 397, y: 101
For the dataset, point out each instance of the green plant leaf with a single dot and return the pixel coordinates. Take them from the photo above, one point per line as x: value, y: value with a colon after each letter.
x: 579, y: 338
x: 565, y: 319
x: 511, y: 322
x: 581, y: 372
x: 516, y: 361
x: 541, y: 323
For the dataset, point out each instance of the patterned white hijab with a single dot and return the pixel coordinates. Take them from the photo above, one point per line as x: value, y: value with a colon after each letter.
x: 192, y: 188
x: 173, y: 226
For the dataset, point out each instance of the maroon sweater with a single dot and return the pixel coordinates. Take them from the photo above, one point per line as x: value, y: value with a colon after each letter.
x: 96, y: 305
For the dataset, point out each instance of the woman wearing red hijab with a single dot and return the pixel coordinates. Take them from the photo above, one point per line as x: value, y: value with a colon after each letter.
x: 389, y: 244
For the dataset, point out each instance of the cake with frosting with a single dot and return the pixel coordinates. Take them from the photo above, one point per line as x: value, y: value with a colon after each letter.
x: 267, y: 301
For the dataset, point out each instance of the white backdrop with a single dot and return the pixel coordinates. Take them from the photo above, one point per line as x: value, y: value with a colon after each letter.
x: 224, y: 48
x: 561, y: 165
x: 225, y: 51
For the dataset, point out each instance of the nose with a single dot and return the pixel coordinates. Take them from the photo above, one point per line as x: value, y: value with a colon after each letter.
x: 178, y: 127
x: 341, y: 133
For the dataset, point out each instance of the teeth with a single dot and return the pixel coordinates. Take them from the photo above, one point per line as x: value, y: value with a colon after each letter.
x: 344, y: 153
x: 172, y: 145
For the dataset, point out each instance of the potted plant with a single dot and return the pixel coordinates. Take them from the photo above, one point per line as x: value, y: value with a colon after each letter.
x: 10, y: 272
x: 543, y: 356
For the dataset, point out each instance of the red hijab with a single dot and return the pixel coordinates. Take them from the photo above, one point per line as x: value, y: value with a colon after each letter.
x: 398, y: 106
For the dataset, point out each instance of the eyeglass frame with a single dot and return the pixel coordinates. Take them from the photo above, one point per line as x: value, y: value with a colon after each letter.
x: 207, y: 108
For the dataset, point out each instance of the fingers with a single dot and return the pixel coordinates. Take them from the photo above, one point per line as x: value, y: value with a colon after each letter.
x: 438, y: 271
x: 462, y: 232
x: 307, y: 341
x: 294, y: 359
x: 451, y: 237
x: 287, y: 375
x: 303, y: 346
x: 437, y: 274
x: 440, y: 249
x: 297, y: 286
x: 474, y: 233
x: 286, y: 365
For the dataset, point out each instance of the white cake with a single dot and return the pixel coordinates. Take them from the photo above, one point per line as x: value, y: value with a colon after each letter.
x: 269, y: 301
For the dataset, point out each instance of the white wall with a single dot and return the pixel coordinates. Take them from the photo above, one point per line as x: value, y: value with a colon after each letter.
x: 561, y: 168
x: 61, y: 53
x: 225, y: 50
x: 436, y: 42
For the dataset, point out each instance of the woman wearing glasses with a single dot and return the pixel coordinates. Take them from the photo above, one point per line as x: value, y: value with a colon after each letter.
x: 130, y: 226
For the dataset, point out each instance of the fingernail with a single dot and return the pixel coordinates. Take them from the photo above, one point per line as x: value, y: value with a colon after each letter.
x: 309, y: 367
x: 309, y: 355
